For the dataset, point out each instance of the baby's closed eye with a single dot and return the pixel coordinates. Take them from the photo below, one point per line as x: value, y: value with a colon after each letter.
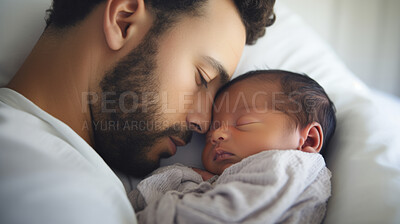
x: 246, y: 123
x: 249, y: 126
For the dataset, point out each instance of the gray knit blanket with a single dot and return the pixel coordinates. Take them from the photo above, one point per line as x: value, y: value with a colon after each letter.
x: 276, y: 186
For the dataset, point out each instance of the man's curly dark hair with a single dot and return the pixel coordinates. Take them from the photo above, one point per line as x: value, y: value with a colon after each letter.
x: 255, y: 14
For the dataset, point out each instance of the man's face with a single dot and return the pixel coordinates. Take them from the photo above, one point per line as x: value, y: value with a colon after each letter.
x: 164, y: 89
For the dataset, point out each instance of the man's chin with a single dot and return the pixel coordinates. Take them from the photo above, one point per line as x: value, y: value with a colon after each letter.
x: 165, y: 155
x: 145, y: 159
x: 143, y: 170
x: 146, y: 167
x: 136, y: 166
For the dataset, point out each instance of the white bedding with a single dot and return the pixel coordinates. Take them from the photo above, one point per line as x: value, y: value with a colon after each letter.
x: 365, y: 151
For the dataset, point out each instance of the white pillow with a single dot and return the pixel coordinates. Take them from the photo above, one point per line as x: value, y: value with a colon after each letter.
x: 21, y: 24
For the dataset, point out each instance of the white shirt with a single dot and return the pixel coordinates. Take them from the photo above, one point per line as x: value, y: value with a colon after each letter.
x: 49, y: 174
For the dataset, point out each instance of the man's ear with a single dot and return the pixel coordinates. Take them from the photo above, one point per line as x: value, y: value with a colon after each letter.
x: 122, y: 20
x: 311, y: 138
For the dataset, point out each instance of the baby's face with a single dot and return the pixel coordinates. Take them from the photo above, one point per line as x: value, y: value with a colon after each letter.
x: 244, y: 124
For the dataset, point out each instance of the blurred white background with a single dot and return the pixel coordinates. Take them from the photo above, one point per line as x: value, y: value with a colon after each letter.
x: 364, y: 33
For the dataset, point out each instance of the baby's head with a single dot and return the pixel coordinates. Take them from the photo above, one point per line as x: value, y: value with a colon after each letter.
x: 265, y: 110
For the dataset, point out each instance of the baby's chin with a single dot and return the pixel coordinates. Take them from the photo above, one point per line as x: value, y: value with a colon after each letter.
x: 218, y: 169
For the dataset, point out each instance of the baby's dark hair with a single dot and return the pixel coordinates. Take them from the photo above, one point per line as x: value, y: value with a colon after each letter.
x: 305, y: 101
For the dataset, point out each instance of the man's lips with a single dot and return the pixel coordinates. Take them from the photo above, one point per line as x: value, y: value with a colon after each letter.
x: 172, y: 147
x: 177, y: 141
x: 174, y: 142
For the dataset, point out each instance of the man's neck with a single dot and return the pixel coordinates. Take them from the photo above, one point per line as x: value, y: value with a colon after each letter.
x: 56, y: 76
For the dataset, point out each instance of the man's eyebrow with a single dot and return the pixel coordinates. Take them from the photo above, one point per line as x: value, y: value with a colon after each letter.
x: 216, y: 65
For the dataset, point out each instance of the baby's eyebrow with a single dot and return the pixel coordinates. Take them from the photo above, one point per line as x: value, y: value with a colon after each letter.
x: 242, y: 108
x: 251, y: 109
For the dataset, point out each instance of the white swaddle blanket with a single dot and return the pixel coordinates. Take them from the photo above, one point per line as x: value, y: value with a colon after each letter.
x: 276, y: 186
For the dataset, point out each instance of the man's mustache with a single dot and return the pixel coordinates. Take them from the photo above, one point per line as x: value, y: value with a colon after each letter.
x: 179, y: 131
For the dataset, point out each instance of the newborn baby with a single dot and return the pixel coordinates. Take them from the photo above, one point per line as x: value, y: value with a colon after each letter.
x: 262, y: 152
x: 266, y: 110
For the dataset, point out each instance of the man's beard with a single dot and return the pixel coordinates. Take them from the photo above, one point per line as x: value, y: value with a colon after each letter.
x: 128, y: 120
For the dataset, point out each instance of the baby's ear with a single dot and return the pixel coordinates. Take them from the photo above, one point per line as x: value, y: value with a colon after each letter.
x: 311, y: 138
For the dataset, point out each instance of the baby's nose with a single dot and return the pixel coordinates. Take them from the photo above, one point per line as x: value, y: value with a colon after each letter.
x: 220, y: 135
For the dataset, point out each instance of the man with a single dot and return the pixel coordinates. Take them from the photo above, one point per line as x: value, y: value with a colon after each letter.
x: 116, y: 83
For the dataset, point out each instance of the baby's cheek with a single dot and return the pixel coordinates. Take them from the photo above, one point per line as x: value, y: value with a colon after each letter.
x: 206, y: 159
x: 206, y: 153
x: 224, y: 167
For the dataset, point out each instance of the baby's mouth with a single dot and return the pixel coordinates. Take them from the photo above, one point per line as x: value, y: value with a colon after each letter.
x: 222, y: 155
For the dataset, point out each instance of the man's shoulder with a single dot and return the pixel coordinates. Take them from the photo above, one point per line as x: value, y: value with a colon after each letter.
x: 31, y: 146
x: 27, y: 140
x: 61, y: 196
x: 45, y: 179
x: 51, y: 184
x: 31, y: 139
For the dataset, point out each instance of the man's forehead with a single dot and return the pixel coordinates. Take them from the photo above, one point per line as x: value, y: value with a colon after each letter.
x: 227, y: 32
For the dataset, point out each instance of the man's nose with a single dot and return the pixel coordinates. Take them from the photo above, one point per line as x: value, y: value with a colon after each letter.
x: 220, y: 135
x: 200, y: 117
x: 199, y: 122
